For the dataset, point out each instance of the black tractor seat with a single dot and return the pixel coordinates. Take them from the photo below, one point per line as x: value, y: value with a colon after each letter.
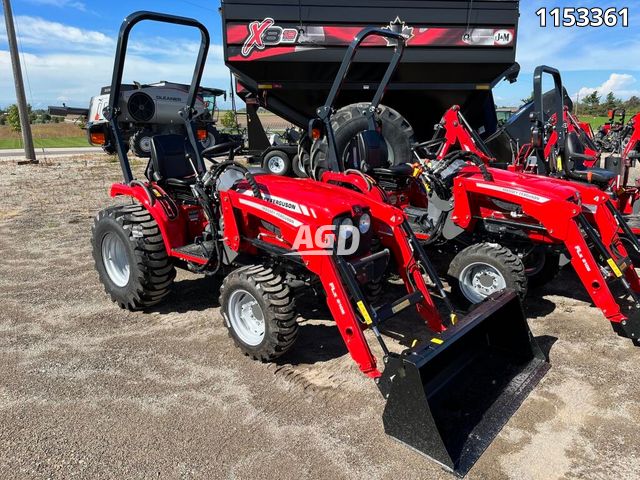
x: 169, y: 164
x: 402, y: 170
x: 597, y: 176
x: 574, y: 164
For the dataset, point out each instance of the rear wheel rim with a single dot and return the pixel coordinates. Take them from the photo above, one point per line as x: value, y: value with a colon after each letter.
x: 479, y: 280
x: 246, y: 317
x: 276, y: 165
x: 115, y: 259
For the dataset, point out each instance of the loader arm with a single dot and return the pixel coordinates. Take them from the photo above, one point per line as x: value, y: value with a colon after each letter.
x: 345, y: 299
x: 590, y: 236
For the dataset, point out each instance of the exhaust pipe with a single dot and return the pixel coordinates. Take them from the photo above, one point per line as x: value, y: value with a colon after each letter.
x: 450, y: 399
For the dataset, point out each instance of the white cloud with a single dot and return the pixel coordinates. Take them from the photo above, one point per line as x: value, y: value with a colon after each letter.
x: 621, y: 84
x: 62, y: 4
x: 75, y: 77
x: 70, y: 64
x: 44, y: 34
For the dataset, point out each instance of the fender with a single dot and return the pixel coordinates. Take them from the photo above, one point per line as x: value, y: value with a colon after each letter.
x: 173, y: 229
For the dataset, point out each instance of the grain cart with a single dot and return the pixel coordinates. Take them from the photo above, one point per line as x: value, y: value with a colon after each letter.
x: 286, y: 53
x: 447, y: 396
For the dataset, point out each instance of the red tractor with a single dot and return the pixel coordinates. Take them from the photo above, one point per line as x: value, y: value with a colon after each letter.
x: 500, y: 226
x: 609, y: 136
x: 268, y: 236
x: 565, y: 151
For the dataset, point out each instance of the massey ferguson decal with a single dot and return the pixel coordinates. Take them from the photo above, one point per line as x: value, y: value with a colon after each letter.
x: 267, y: 34
x: 264, y: 39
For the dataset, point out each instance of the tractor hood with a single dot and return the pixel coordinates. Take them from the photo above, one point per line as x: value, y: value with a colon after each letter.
x: 535, y: 185
x: 310, y: 198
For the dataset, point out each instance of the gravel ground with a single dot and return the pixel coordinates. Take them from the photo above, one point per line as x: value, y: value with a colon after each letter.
x: 90, y: 391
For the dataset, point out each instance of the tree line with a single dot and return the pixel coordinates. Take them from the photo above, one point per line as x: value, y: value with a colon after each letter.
x: 11, y: 117
x: 594, y: 104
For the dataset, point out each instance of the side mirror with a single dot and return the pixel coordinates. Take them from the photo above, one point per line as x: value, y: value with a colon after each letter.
x: 316, y: 129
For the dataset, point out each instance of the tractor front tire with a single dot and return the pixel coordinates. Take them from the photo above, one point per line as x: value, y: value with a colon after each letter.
x: 259, y: 312
x: 483, y: 269
x: 130, y: 257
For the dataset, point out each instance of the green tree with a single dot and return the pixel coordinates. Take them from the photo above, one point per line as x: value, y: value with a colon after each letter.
x: 13, y: 118
x: 528, y: 99
x: 633, y: 103
x: 611, y: 101
x: 593, y: 100
x: 228, y: 120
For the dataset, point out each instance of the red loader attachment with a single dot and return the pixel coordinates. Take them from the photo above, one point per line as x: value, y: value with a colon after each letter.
x: 447, y: 399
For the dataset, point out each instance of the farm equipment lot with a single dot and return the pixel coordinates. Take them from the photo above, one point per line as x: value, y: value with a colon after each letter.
x: 92, y: 390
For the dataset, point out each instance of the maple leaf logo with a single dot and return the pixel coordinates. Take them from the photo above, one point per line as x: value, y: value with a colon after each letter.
x: 401, y: 27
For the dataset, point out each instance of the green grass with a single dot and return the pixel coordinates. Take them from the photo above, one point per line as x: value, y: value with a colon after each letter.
x: 597, y: 122
x: 60, y: 142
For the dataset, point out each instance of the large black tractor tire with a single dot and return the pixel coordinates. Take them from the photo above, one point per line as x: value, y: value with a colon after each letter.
x: 297, y: 165
x: 259, y: 312
x: 349, y: 121
x: 140, y: 143
x: 541, y: 268
x: 130, y: 257
x: 277, y: 162
x: 485, y: 268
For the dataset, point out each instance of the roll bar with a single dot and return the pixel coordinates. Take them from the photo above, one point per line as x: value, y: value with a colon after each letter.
x: 112, y: 111
x: 539, y: 99
x: 324, y: 112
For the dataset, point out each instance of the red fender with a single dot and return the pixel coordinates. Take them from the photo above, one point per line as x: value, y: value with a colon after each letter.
x: 154, y: 199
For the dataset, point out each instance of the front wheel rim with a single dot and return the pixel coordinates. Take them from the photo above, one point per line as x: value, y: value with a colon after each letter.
x: 276, y: 165
x: 246, y: 317
x: 115, y: 259
x: 479, y: 280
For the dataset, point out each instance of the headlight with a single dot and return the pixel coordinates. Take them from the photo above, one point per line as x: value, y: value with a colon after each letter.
x: 345, y: 228
x: 365, y: 223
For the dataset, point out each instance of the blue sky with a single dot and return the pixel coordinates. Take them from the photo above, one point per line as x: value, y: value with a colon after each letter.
x: 68, y: 48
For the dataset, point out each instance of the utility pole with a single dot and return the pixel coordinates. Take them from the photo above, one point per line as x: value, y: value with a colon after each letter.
x: 21, y: 98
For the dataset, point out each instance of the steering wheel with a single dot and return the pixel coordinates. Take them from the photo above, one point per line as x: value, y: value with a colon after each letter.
x: 218, y: 150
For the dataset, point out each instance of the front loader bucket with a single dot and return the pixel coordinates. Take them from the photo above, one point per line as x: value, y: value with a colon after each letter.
x: 450, y: 399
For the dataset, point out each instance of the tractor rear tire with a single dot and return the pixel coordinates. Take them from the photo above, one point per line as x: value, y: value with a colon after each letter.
x: 130, y: 257
x: 259, y: 312
x: 297, y: 165
x: 349, y: 121
x: 486, y: 262
x: 140, y: 143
